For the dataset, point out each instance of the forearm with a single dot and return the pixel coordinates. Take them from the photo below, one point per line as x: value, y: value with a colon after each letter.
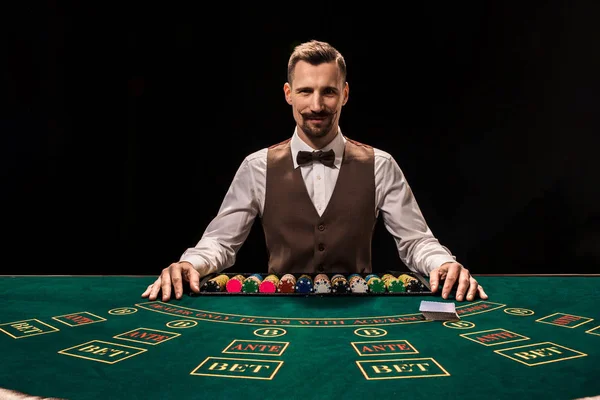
x: 423, y: 254
x: 226, y: 233
x: 210, y: 256
x: 417, y: 247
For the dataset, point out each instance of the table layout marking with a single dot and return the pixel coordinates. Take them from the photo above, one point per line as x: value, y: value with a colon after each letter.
x: 370, y: 332
x: 270, y: 332
x: 494, y: 337
x: 540, y: 353
x: 594, y: 331
x: 123, y: 311
x: 459, y: 324
x: 384, y: 348
x: 149, y: 336
x: 521, y: 312
x: 240, y: 368
x: 27, y: 328
x: 182, y: 324
x: 256, y: 347
x: 79, y: 318
x: 564, y: 320
x: 401, y: 368
x: 101, y: 351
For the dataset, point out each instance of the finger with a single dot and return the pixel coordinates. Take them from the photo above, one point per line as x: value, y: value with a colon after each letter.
x: 193, y: 277
x: 434, y: 280
x: 451, y: 277
x: 166, y: 283
x: 473, y: 288
x: 463, y: 284
x: 176, y: 281
x: 155, y: 287
x: 147, y: 291
x: 482, y: 293
x: 443, y: 270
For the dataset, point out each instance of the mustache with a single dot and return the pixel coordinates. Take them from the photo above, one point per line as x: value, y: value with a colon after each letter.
x: 321, y: 114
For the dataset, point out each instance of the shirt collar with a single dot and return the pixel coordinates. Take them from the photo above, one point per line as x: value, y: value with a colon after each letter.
x: 337, y: 144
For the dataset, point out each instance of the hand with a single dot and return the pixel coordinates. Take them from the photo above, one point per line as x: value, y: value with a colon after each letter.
x: 10, y: 394
x: 174, y: 275
x: 453, y: 272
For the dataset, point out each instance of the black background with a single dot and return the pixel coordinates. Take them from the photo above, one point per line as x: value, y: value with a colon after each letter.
x: 124, y: 124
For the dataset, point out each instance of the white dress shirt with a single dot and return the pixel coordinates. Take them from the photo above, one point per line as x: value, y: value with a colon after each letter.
x: 394, y: 201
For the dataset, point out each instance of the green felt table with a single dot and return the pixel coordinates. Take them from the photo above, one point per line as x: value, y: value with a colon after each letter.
x: 91, y: 337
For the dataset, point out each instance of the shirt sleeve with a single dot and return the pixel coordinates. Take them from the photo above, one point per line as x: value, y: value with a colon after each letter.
x: 226, y: 233
x: 417, y: 247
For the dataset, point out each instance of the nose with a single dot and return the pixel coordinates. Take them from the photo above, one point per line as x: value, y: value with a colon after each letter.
x: 317, y: 104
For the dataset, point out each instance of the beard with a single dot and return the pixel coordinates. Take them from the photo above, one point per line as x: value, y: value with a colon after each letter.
x: 317, y: 128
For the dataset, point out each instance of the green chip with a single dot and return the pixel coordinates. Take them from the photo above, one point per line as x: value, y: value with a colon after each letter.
x: 376, y: 285
x: 396, y: 286
x: 250, y: 286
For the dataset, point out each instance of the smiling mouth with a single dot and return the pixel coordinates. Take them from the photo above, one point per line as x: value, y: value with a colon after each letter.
x: 317, y: 119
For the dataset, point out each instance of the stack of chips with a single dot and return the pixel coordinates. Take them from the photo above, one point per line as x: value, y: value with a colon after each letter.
x: 216, y: 284
x: 405, y: 278
x: 358, y: 284
x: 252, y: 283
x: 287, y: 284
x: 376, y: 285
x: 393, y: 284
x: 304, y: 284
x: 411, y: 283
x: 269, y: 284
x: 322, y: 284
x: 339, y: 284
x: 234, y: 284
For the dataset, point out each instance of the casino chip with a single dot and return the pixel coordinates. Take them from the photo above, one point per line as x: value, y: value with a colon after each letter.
x: 250, y: 285
x: 216, y: 284
x: 287, y: 284
x: 339, y: 284
x: 304, y: 284
x: 267, y: 287
x: 376, y: 285
x: 415, y: 286
x: 396, y: 286
x: 322, y: 286
x: 234, y: 284
x: 358, y: 284
x: 269, y: 284
x: 405, y: 278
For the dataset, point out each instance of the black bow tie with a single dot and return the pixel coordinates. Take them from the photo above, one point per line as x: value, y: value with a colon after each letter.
x: 324, y: 157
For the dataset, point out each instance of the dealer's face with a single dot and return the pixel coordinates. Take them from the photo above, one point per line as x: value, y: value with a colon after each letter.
x: 317, y: 94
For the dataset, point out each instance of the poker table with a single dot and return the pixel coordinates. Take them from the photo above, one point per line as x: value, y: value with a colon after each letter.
x: 91, y: 337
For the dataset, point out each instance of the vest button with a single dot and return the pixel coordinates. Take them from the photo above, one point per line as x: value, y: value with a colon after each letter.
x: 321, y: 227
x: 320, y: 268
x: 321, y: 247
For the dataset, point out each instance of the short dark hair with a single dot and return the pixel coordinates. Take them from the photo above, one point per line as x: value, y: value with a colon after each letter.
x: 315, y: 52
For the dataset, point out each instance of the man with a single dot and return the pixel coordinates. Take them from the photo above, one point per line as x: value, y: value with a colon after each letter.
x: 318, y: 195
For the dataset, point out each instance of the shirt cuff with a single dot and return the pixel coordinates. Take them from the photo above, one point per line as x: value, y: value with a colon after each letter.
x: 437, y: 261
x: 199, y: 264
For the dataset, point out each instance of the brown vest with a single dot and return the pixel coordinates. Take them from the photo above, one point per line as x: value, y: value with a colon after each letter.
x: 298, y: 239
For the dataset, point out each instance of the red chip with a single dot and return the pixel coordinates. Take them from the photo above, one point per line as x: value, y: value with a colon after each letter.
x: 287, y: 286
x: 233, y: 286
x: 267, y: 287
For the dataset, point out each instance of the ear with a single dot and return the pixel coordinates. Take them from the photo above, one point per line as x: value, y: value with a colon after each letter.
x: 287, y: 89
x: 346, y: 92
